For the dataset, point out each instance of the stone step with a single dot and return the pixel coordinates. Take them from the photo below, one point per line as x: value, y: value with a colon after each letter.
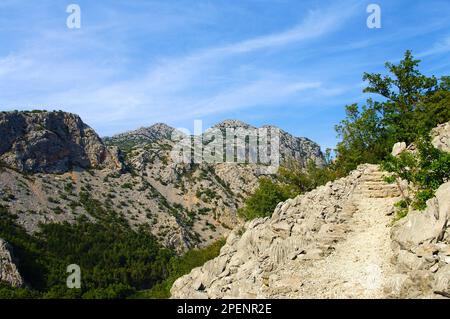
x: 378, y: 193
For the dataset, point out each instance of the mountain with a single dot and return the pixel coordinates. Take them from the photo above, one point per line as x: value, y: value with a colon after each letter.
x: 143, y: 135
x: 299, y: 149
x: 54, y: 168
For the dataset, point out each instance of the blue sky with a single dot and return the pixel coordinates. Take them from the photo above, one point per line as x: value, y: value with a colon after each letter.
x: 294, y: 64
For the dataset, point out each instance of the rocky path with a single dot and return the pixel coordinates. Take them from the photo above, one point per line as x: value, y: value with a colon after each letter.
x: 349, y: 254
x: 337, y: 241
x: 360, y: 265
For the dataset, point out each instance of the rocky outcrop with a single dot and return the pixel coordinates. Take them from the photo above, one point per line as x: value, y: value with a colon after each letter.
x: 143, y: 135
x: 441, y: 137
x: 421, y: 243
x: 52, y: 142
x: 295, y: 253
x: 398, y: 148
x: 299, y: 149
x: 9, y: 273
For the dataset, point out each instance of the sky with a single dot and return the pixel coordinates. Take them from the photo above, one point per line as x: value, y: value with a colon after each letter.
x: 133, y: 63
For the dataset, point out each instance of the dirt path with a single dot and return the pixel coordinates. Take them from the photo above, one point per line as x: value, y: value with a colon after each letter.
x: 360, y: 266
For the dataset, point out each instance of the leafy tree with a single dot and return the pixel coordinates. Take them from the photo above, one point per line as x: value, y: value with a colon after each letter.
x: 410, y: 105
x: 364, y: 137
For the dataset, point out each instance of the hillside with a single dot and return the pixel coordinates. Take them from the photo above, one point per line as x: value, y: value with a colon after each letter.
x: 55, y: 167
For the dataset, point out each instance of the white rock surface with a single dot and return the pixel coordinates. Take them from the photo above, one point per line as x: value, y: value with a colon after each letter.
x: 398, y: 148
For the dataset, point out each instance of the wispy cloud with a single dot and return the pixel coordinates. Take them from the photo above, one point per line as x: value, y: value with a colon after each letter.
x: 442, y: 46
x: 179, y: 87
x: 136, y: 63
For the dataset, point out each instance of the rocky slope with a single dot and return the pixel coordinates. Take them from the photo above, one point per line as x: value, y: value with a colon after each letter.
x: 217, y: 188
x: 314, y: 245
x: 53, y: 166
x: 421, y: 241
x: 8, y: 271
x: 338, y: 241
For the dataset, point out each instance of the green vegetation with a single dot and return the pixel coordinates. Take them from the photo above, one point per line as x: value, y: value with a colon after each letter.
x: 179, y: 266
x: 410, y: 105
x: 263, y: 201
x: 116, y: 261
x: 426, y: 170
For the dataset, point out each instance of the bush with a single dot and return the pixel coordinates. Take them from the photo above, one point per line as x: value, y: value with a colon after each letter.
x: 180, y: 266
x: 264, y: 200
x: 426, y: 170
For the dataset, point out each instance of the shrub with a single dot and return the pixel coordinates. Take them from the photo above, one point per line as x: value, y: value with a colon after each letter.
x: 264, y: 200
x: 426, y: 170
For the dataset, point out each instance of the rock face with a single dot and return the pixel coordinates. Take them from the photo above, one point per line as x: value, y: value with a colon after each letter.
x: 158, y: 131
x: 421, y: 243
x: 441, y: 137
x: 8, y: 270
x: 299, y: 149
x: 184, y: 204
x: 398, y: 148
x: 52, y: 142
x: 313, y: 246
x: 217, y: 188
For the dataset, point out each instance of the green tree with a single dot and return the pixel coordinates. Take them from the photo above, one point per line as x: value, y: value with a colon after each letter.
x: 410, y: 105
x: 264, y: 200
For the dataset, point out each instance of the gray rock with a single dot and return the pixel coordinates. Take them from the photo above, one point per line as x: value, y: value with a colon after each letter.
x: 441, y: 283
x: 52, y: 142
x: 398, y: 148
x: 8, y: 270
x: 441, y: 137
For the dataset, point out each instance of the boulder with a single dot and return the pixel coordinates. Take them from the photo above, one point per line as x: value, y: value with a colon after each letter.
x: 398, y: 148
x: 427, y: 226
x: 441, y: 137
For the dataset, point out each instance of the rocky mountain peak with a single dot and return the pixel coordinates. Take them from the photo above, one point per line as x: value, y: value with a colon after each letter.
x: 232, y: 124
x: 300, y: 149
x: 53, y: 142
x: 153, y: 133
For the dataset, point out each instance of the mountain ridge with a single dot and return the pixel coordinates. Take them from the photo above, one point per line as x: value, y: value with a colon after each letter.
x: 183, y: 204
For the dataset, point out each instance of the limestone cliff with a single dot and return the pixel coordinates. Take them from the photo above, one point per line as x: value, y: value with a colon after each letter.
x: 52, y: 142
